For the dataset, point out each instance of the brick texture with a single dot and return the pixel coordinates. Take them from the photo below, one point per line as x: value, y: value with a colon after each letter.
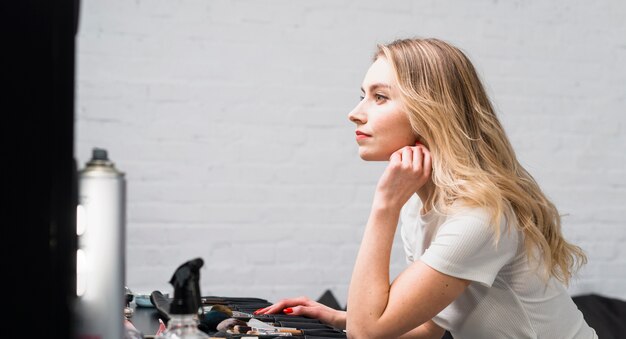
x: 230, y: 121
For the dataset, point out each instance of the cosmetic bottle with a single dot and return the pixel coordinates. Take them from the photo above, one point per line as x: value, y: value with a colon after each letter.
x: 183, y: 322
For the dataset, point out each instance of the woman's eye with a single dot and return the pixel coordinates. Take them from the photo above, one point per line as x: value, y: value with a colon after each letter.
x: 380, y: 97
x: 361, y: 98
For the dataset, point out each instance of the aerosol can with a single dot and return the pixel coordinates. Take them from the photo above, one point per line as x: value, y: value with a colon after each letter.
x: 101, y: 228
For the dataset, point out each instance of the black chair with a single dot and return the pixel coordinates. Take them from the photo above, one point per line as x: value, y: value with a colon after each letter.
x: 605, y: 315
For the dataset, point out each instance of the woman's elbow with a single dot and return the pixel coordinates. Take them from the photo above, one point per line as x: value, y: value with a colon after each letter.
x: 362, y: 332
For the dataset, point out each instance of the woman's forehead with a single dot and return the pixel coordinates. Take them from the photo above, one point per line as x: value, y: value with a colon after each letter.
x: 380, y: 74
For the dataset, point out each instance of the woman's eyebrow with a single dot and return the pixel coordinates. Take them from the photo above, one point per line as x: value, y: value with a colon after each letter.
x: 377, y: 85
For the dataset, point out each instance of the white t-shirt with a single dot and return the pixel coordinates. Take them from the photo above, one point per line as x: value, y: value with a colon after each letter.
x: 506, y: 297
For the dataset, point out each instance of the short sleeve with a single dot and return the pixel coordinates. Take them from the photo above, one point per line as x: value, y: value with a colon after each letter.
x: 408, y: 227
x: 464, y: 247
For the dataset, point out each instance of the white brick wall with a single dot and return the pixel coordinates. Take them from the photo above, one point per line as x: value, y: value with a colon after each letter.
x: 230, y: 120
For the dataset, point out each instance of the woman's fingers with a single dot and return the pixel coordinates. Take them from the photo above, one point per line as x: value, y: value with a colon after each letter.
x: 417, y: 158
x: 283, y: 304
x: 413, y: 158
x: 322, y: 313
x: 406, y: 173
x: 306, y: 311
x: 428, y: 164
x: 407, y: 155
x: 396, y: 156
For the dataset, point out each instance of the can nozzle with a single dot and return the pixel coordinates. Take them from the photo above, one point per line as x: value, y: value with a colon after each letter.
x: 100, y: 158
x: 99, y: 154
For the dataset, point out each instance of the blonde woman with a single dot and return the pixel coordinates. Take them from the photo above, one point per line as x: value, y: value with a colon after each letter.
x: 486, y: 255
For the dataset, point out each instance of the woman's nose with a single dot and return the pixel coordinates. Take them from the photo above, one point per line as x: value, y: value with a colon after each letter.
x: 358, y: 115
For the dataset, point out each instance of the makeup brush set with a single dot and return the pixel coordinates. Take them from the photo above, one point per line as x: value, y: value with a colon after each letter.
x: 232, y: 317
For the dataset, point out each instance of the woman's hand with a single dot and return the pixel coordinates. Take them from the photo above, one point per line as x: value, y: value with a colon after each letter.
x: 306, y: 307
x: 408, y: 171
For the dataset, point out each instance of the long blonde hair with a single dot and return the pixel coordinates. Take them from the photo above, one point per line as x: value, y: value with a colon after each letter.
x: 473, y: 160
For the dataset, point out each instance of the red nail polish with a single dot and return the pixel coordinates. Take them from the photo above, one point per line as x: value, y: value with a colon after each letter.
x: 288, y: 310
x: 257, y: 311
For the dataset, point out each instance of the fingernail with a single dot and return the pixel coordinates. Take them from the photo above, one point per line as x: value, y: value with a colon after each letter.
x: 257, y: 311
x: 288, y: 310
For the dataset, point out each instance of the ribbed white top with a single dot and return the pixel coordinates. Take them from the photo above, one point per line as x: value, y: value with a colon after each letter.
x: 506, y: 298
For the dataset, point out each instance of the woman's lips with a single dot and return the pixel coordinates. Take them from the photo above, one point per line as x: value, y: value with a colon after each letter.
x: 360, y: 135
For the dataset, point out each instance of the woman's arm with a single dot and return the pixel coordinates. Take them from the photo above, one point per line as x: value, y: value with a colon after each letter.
x: 306, y: 307
x: 377, y: 309
x: 428, y: 330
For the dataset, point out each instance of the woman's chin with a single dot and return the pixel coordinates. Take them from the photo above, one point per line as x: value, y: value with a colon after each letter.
x: 368, y: 156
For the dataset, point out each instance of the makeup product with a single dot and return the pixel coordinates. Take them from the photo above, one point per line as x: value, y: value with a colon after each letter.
x: 212, y: 300
x: 303, y: 325
x: 276, y: 318
x: 210, y: 320
x: 229, y: 324
x: 100, y: 268
x: 220, y: 308
x: 269, y: 333
x: 238, y: 329
x: 162, y: 327
x: 239, y: 314
x: 260, y: 325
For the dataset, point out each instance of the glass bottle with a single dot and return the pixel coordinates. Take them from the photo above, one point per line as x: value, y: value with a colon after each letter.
x: 182, y: 326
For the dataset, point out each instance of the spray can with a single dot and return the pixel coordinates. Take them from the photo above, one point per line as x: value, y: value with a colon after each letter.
x: 101, y: 228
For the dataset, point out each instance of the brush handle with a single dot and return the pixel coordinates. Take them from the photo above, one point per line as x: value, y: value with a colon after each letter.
x: 269, y: 331
x: 289, y: 330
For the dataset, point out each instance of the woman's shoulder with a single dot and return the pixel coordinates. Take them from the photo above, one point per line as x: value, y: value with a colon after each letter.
x: 482, y: 217
x: 458, y: 211
x: 463, y: 209
x: 412, y: 211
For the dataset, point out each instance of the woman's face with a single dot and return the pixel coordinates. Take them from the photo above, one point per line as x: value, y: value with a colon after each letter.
x: 382, y: 127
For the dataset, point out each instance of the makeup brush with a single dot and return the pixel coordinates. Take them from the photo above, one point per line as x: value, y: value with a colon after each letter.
x: 216, y: 314
x: 229, y: 324
x: 237, y: 329
x: 265, y: 327
x: 224, y: 309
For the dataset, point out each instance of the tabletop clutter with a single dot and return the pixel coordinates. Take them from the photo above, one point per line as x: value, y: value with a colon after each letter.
x: 190, y: 315
x: 231, y: 317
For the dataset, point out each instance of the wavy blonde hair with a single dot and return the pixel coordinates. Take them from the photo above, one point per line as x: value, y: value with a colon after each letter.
x: 473, y: 160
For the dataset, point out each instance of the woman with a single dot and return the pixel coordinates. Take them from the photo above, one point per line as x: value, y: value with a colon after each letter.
x: 486, y: 253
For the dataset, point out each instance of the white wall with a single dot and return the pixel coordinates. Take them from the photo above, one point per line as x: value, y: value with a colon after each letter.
x: 230, y: 121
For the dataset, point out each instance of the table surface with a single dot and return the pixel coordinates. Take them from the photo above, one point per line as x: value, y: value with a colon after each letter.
x: 145, y: 319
